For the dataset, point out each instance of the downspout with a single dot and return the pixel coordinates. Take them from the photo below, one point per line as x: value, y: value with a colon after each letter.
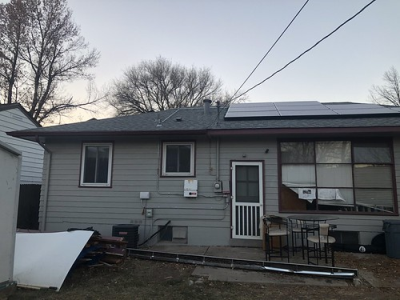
x: 218, y: 159
x: 42, y: 226
x: 218, y: 143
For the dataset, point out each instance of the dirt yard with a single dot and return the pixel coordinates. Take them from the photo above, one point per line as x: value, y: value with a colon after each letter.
x: 141, y: 279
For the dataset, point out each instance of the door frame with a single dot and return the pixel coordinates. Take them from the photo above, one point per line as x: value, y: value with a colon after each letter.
x: 260, y: 204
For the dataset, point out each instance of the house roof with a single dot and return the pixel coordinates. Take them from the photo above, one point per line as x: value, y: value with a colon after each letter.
x: 195, y: 120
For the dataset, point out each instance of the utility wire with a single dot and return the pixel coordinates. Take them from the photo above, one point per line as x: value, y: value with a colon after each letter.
x: 283, y: 32
x: 309, y: 49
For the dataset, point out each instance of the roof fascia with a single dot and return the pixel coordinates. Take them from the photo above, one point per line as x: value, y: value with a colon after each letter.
x: 35, y: 134
x: 303, y: 131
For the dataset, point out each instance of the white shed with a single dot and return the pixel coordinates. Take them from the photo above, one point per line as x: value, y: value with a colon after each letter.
x: 10, y: 172
x: 15, y: 117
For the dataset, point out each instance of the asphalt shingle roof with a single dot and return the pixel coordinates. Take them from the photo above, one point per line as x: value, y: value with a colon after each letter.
x: 195, y: 120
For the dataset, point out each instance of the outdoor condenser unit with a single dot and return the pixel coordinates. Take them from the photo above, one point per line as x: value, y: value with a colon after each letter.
x: 130, y: 232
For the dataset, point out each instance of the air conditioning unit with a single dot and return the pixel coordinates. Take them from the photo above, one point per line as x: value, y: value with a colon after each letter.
x: 130, y: 232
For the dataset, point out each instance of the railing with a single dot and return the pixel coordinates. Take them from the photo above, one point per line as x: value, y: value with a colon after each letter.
x: 247, y: 220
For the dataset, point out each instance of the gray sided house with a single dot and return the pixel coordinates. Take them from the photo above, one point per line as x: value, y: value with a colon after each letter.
x: 14, y: 117
x: 213, y: 171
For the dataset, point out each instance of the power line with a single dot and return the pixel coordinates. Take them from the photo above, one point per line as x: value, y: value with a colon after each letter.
x: 283, y: 32
x: 309, y: 49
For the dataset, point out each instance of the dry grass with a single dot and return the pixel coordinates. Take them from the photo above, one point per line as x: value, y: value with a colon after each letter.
x: 140, y: 279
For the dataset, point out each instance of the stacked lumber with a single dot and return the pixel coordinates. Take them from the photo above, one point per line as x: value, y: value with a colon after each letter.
x: 103, y: 250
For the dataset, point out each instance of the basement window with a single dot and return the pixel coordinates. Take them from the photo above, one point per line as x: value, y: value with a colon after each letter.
x: 96, y: 165
x: 174, y: 234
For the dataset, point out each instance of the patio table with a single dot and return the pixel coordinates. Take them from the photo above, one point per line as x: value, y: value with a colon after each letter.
x: 312, y: 218
x: 308, y: 223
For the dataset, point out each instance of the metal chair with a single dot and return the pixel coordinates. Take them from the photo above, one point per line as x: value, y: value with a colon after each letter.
x: 297, y: 229
x: 322, y: 242
x: 276, y: 230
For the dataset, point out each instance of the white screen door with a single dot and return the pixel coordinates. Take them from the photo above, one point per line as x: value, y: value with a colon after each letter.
x: 247, y: 199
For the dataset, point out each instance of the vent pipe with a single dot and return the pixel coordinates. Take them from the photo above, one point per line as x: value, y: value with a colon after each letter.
x: 207, y: 105
x: 218, y: 109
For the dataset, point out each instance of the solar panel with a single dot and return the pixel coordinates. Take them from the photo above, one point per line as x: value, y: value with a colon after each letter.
x: 350, y: 105
x: 288, y: 113
x: 252, y: 114
x: 395, y: 108
x: 297, y: 103
x: 306, y: 108
x: 364, y: 111
x: 252, y: 108
x: 360, y: 109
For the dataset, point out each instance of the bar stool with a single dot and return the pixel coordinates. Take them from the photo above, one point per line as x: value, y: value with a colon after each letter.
x: 321, y: 241
x: 297, y: 228
x: 276, y: 228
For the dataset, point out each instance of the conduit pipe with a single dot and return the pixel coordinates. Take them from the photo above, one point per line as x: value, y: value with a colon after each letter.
x: 193, y: 219
x: 218, y: 158
x: 187, y: 207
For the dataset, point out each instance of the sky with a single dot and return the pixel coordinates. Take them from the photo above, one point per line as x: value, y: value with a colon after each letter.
x: 231, y: 36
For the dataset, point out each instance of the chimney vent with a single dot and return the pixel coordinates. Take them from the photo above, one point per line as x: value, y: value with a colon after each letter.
x: 207, y: 105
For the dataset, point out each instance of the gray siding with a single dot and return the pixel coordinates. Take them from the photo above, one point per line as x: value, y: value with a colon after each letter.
x: 135, y: 170
x: 32, y: 153
x: 136, y: 167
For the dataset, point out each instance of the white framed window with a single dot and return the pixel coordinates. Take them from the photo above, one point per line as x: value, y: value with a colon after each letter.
x: 96, y: 164
x: 178, y: 159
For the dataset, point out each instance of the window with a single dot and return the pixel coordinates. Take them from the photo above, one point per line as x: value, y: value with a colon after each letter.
x: 96, y: 165
x: 178, y: 159
x: 346, y: 176
x: 247, y: 184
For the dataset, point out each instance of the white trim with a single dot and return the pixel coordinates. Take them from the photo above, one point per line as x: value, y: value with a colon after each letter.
x: 164, y: 159
x: 110, y: 155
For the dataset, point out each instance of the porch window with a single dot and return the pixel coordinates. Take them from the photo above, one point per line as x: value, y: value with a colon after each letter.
x: 342, y: 176
x: 96, y: 165
x: 178, y: 159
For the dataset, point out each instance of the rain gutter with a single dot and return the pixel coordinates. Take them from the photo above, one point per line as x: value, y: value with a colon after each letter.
x: 252, y: 265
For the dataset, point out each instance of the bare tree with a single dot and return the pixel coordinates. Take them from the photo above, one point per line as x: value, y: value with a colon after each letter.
x: 52, y: 52
x: 389, y: 93
x: 160, y: 85
x: 13, y: 22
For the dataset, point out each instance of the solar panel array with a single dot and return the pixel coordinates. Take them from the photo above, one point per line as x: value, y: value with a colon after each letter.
x: 305, y: 108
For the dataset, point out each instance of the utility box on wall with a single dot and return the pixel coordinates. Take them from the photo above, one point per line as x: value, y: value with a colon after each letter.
x: 144, y: 195
x: 190, y: 188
